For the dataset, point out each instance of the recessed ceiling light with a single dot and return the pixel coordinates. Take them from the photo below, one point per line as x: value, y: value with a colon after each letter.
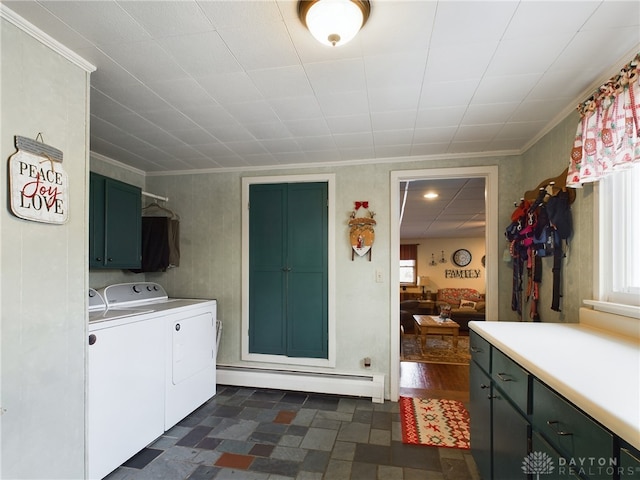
x: 431, y: 195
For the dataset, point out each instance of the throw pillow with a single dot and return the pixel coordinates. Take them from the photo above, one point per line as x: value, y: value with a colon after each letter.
x: 467, y: 304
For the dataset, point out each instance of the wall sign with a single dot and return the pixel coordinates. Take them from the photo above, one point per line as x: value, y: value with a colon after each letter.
x: 461, y: 273
x: 39, y: 186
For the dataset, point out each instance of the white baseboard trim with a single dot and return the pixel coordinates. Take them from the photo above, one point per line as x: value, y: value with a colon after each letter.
x: 358, y: 385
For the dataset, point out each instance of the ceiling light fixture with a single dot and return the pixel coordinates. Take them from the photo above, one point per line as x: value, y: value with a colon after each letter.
x: 430, y: 195
x: 334, y: 22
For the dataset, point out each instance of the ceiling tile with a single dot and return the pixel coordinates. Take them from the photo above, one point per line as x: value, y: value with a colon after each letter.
x: 201, y: 54
x: 283, y: 82
x: 468, y: 21
x: 227, y: 88
x: 296, y: 108
x: 336, y: 77
x: 102, y: 23
x: 504, y: 89
x: 168, y: 19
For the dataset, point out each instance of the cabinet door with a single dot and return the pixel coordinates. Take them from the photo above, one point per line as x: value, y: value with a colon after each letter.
x: 480, y: 419
x: 545, y: 460
x: 510, y: 439
x: 288, y: 270
x: 629, y: 461
x: 570, y: 431
x: 123, y: 220
x: 267, y: 261
x: 96, y: 220
x: 115, y: 222
x: 307, y: 309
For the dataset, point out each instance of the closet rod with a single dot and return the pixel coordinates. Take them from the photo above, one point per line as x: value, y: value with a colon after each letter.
x: 158, y: 197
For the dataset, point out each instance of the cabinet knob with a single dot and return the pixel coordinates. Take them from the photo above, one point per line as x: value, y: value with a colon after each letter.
x: 98, y: 259
x: 503, y: 376
x: 92, y: 339
x: 476, y: 350
x: 177, y: 327
x: 482, y: 385
x: 109, y: 259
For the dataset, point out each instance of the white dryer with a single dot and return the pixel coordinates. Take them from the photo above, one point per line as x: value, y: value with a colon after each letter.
x: 190, y: 342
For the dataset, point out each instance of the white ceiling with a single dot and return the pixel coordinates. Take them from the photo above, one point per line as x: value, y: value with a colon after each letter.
x: 237, y: 84
x: 459, y: 210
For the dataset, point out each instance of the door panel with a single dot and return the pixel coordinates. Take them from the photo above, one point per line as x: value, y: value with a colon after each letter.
x: 288, y: 291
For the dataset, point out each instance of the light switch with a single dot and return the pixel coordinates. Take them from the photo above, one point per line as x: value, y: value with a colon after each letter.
x: 378, y: 276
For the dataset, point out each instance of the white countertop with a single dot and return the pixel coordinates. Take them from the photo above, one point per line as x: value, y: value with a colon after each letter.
x: 596, y: 370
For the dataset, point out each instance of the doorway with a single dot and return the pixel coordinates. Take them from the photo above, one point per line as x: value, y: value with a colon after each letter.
x: 490, y: 176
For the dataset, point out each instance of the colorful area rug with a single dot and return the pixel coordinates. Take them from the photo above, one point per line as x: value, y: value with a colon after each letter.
x: 434, y: 422
x: 438, y: 350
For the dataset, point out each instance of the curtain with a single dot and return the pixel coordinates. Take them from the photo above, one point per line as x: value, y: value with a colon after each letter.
x: 608, y: 134
x: 408, y: 252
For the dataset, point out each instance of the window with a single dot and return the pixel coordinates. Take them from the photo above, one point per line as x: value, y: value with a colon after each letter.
x: 619, y: 225
x: 408, y: 264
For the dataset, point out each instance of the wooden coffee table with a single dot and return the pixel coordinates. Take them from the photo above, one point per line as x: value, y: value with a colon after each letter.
x: 430, y: 325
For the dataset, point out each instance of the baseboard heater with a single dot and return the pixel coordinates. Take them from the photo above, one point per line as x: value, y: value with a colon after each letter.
x: 357, y: 385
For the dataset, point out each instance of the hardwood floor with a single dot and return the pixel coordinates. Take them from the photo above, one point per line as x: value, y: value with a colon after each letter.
x: 433, y: 380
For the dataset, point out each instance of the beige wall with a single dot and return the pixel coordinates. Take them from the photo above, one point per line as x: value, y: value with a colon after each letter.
x: 437, y: 274
x: 44, y: 271
x: 210, y: 208
x: 546, y: 159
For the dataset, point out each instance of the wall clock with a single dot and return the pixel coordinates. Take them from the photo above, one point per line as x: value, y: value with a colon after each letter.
x: 462, y: 257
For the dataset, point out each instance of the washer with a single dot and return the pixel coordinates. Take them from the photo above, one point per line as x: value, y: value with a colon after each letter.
x: 152, y: 361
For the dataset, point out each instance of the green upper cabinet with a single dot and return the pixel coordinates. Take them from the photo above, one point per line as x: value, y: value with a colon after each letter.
x: 114, y: 223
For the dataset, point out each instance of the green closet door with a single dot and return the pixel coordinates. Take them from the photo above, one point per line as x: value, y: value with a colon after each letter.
x: 288, y: 270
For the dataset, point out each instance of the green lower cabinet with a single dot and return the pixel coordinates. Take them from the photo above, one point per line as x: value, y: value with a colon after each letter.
x: 480, y: 419
x: 522, y: 429
x: 545, y: 463
x: 583, y: 443
x: 510, y: 438
x: 629, y: 462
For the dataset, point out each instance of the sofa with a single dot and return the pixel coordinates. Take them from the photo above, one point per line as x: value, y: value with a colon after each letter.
x: 466, y: 304
x: 409, y: 308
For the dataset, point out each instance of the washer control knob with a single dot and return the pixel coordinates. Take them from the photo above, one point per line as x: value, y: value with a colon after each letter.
x: 136, y: 289
x: 92, y: 339
x: 177, y: 327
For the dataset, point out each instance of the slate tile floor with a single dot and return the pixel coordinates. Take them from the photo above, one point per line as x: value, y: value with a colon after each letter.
x: 255, y: 434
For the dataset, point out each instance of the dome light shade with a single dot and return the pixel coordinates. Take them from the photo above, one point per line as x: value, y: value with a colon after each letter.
x: 334, y: 22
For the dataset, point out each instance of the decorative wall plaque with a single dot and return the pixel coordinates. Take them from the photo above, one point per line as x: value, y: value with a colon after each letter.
x: 361, y: 232
x: 39, y: 186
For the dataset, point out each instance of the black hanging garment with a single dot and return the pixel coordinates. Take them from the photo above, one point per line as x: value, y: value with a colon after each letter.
x: 160, y: 244
x: 559, y: 211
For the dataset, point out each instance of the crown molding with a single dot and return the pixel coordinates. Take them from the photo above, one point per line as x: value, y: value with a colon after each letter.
x: 12, y: 17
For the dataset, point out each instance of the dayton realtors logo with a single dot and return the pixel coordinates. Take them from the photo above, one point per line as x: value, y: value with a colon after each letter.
x: 539, y: 463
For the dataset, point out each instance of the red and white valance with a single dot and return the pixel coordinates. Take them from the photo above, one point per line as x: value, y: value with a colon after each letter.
x: 608, y: 134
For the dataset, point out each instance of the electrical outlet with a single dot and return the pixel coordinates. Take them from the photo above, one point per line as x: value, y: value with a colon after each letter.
x: 378, y: 276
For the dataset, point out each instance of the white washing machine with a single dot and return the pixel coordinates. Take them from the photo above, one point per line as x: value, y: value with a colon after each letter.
x: 152, y: 361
